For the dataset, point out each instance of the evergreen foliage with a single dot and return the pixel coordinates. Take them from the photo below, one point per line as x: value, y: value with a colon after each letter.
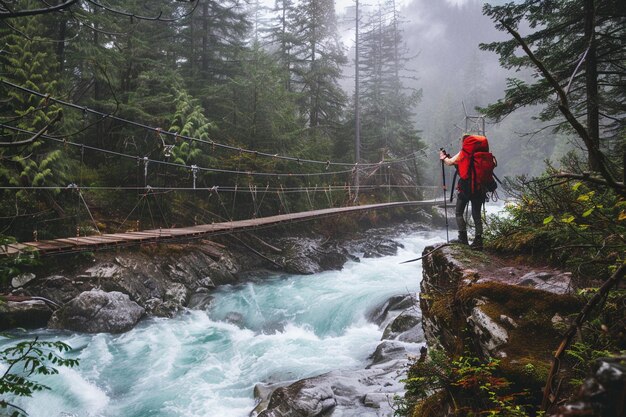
x: 216, y: 71
x: 582, y: 44
x: 29, y: 62
x: 387, y: 105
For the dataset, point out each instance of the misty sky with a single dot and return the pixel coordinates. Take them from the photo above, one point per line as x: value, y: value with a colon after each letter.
x: 444, y: 34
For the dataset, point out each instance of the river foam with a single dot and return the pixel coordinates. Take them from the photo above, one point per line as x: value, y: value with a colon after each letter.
x: 206, y: 363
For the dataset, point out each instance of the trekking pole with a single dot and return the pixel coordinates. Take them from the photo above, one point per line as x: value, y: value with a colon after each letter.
x: 445, y: 203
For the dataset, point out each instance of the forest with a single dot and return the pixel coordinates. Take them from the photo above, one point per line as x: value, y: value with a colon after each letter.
x: 176, y: 95
x: 121, y: 116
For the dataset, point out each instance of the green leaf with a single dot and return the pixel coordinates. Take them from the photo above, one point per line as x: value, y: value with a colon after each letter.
x: 576, y: 186
x: 548, y: 219
x: 588, y: 212
x: 567, y: 219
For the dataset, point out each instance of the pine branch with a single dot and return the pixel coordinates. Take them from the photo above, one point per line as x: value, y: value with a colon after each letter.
x: 586, y: 176
x: 5, y: 13
x: 35, y: 136
x: 564, y: 107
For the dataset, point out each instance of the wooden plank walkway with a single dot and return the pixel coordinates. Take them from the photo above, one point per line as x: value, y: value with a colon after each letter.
x: 109, y: 240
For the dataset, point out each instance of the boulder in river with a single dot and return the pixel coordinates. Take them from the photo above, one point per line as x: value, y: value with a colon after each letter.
x: 23, y: 312
x: 98, y: 311
x: 305, y: 398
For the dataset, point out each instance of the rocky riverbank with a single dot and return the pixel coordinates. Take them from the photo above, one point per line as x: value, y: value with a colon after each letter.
x: 112, y: 291
x: 361, y: 392
x: 485, y: 306
x: 70, y: 292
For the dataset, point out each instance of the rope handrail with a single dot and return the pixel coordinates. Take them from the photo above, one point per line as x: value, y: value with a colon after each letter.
x: 216, y: 187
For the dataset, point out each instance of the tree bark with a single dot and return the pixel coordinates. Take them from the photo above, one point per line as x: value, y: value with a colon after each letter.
x: 564, y: 108
x: 205, y: 39
x: 591, y: 83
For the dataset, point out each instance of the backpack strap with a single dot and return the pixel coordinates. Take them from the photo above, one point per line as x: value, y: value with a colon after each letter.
x: 456, y: 174
x: 472, y: 175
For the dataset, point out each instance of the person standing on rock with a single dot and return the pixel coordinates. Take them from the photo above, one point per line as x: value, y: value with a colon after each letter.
x: 472, y: 161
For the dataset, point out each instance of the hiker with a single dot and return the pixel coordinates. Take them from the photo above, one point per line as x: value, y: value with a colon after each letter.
x: 471, y: 188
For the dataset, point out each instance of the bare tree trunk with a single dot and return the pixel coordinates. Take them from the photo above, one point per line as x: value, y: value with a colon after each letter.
x: 591, y: 75
x: 61, y: 44
x: 205, y: 39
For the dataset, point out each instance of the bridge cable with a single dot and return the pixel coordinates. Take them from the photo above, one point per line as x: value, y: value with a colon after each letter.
x: 219, y: 197
x: 263, y: 196
x: 89, y: 211
x: 308, y: 197
x: 187, y: 167
x: 150, y: 210
x: 209, y: 142
x: 131, y: 212
x: 236, y: 185
x: 254, y: 202
x: 226, y: 189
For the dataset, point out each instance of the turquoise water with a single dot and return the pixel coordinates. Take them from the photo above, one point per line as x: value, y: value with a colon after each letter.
x: 205, y: 364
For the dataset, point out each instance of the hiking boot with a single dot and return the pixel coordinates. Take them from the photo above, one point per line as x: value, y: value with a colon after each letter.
x: 477, y: 244
x: 462, y: 239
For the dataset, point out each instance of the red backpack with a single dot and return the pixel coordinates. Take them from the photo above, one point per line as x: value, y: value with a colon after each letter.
x: 475, y: 167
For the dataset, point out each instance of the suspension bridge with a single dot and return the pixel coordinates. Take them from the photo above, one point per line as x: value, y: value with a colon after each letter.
x: 189, y: 179
x: 111, y: 240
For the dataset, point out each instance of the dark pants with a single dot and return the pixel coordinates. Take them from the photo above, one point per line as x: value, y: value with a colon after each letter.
x: 461, y: 204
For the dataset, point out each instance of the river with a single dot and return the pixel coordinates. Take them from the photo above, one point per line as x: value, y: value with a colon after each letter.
x: 205, y: 363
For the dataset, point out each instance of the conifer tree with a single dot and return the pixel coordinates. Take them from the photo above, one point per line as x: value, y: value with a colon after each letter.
x: 318, y: 66
x: 581, y: 44
x: 387, y: 105
x: 36, y: 162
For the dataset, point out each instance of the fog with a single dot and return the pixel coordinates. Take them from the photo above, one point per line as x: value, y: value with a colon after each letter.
x: 453, y: 73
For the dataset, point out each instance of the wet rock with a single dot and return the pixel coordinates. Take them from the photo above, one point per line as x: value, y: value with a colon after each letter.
x: 375, y: 399
x: 98, y: 311
x: 26, y: 313
x: 273, y: 327
x: 381, y: 247
x: 407, y: 327
x: 305, y: 398
x: 379, y: 313
x: 22, y: 279
x: 206, y: 282
x: 333, y: 260
x: 490, y: 334
x: 386, y: 351
x: 262, y: 394
x: 603, y: 394
x: 160, y: 279
x: 235, y: 318
x: 176, y: 294
x: 199, y: 301
x: 551, y: 280
x: 306, y: 256
x: 364, y: 393
x: 58, y: 288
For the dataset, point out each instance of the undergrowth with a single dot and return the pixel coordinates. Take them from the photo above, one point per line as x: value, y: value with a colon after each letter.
x: 575, y: 225
x: 469, y: 385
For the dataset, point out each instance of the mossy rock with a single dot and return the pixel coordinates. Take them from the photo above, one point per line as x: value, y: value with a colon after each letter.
x: 527, y: 374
